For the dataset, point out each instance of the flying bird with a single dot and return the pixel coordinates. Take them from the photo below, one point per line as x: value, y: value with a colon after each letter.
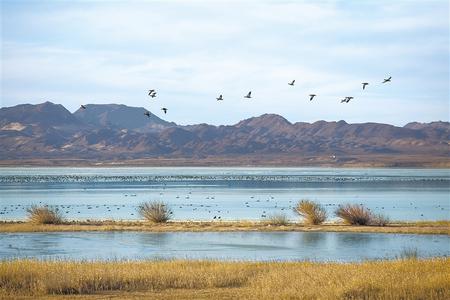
x: 164, y: 110
x: 249, y: 95
x: 147, y: 114
x: 311, y: 97
x: 83, y: 106
x: 150, y: 92
x: 292, y: 83
x: 347, y: 99
x: 387, y: 79
x: 220, y: 98
x: 364, y: 85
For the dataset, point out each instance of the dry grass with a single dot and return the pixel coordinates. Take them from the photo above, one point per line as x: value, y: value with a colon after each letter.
x: 354, y: 214
x: 428, y: 227
x: 155, y: 211
x: 312, y: 212
x: 44, y: 215
x: 426, y: 223
x: 278, y: 219
x: 400, y: 279
x: 379, y: 220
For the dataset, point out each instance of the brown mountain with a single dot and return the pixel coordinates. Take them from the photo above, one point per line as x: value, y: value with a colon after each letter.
x: 111, y: 132
x: 120, y: 117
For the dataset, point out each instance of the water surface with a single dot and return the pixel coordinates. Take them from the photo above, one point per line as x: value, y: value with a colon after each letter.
x: 318, y: 246
x: 225, y: 193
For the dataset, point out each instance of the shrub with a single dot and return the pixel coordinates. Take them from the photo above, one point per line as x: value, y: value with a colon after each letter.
x: 155, y: 211
x: 380, y: 220
x: 44, y: 215
x: 354, y: 214
x: 312, y: 212
x: 277, y: 219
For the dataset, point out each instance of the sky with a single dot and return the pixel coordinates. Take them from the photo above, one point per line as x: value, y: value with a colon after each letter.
x: 95, y: 52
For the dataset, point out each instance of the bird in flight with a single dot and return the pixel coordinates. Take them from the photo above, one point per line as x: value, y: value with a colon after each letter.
x: 364, y: 85
x: 164, y: 110
x: 347, y: 99
x: 311, y: 97
x: 249, y: 95
x: 147, y: 114
x: 150, y: 92
x: 387, y: 79
x: 220, y: 98
x: 292, y: 83
x: 83, y: 106
x: 153, y: 95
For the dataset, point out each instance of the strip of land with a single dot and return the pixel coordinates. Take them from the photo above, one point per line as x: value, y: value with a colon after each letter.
x: 181, y: 279
x: 431, y: 227
x: 345, y: 161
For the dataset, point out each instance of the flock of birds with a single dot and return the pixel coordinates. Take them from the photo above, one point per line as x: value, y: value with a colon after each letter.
x: 263, y: 205
x: 152, y: 93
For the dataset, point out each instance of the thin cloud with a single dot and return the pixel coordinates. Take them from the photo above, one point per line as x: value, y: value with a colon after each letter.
x: 103, y: 52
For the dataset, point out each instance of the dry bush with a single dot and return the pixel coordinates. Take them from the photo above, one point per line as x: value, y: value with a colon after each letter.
x: 354, y: 214
x: 44, y: 215
x: 155, y: 211
x: 278, y: 219
x: 312, y: 212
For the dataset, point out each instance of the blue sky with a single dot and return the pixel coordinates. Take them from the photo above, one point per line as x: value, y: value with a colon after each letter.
x: 78, y: 52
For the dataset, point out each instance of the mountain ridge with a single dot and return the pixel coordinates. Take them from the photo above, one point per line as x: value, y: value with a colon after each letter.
x: 120, y: 132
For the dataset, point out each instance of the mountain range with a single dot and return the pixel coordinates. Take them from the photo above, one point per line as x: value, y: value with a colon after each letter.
x: 112, y: 132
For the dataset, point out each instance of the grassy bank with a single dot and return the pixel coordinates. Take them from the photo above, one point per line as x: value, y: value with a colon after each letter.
x: 406, y: 279
x: 432, y: 227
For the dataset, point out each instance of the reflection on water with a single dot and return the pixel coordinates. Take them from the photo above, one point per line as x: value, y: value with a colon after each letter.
x: 320, y: 246
x: 360, y: 239
x: 313, y: 239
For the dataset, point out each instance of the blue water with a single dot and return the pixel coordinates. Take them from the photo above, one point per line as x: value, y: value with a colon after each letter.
x: 228, y: 193
x: 317, y: 246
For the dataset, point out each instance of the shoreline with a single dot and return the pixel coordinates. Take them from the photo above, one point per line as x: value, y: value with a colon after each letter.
x: 430, y: 227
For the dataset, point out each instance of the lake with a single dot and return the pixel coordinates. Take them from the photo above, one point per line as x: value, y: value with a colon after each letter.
x: 228, y: 193
x: 254, y: 246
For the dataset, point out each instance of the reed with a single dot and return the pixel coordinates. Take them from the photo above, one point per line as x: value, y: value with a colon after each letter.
x: 44, y: 215
x: 278, y: 219
x: 409, y: 253
x: 398, y: 279
x: 379, y: 220
x: 313, y: 213
x: 155, y: 211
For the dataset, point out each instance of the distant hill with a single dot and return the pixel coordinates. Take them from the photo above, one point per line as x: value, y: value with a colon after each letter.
x: 45, y: 114
x: 120, y: 117
x: 119, y: 132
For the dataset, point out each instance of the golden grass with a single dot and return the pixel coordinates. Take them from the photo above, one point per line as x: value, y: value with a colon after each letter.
x: 399, y: 279
x: 429, y: 227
